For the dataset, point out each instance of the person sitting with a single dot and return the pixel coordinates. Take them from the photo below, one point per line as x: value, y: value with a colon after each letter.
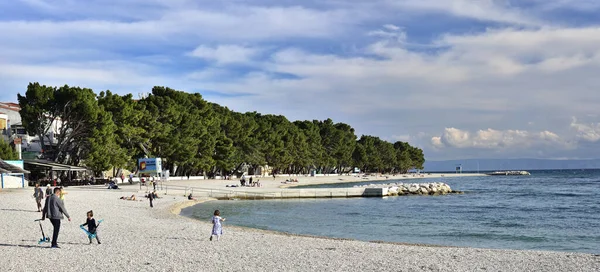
x: 190, y: 197
x: 112, y: 185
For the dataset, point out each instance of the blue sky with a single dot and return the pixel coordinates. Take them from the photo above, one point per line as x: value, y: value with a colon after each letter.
x: 458, y: 78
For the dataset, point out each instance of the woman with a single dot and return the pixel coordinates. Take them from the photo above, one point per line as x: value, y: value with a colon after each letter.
x: 39, y: 195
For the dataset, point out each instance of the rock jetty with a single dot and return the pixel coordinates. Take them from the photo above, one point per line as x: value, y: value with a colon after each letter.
x: 435, y: 188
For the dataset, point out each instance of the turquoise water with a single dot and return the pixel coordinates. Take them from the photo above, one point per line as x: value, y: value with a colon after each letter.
x: 549, y: 210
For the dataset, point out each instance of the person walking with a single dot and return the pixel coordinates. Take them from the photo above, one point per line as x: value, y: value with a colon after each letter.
x: 217, y: 229
x: 48, y: 191
x: 39, y: 195
x: 62, y: 193
x: 90, y: 222
x: 54, y: 210
x: 151, y: 197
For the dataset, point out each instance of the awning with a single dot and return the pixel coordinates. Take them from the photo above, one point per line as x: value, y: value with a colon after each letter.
x: 9, y: 168
x: 53, y: 166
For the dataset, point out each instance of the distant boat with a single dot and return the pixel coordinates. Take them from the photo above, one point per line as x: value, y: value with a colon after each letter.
x: 510, y: 173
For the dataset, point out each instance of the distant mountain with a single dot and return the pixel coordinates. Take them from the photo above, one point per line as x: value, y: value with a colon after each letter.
x: 472, y: 165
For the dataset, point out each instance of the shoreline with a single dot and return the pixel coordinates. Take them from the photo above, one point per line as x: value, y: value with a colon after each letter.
x: 177, y: 207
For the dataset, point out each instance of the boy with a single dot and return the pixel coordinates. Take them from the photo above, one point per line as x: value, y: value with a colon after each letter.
x: 91, y: 223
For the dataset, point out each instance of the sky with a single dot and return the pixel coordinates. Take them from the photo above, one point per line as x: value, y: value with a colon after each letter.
x: 458, y: 78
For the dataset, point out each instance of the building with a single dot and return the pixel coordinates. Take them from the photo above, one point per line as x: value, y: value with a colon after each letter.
x: 13, y: 129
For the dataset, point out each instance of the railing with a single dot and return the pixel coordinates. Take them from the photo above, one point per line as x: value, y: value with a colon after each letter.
x: 215, y: 193
x: 275, y: 194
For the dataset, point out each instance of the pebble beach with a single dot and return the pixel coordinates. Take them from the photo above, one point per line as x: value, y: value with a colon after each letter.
x: 136, y: 237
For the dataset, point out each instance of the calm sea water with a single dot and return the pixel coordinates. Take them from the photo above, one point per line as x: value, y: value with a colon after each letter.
x: 549, y: 210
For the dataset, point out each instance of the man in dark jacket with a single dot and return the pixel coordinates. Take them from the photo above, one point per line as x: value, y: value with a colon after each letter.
x: 151, y: 197
x: 54, y: 210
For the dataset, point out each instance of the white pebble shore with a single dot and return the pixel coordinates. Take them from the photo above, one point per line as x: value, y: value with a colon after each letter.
x: 136, y: 237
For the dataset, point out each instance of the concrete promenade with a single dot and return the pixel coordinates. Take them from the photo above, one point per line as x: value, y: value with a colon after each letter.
x: 272, y: 188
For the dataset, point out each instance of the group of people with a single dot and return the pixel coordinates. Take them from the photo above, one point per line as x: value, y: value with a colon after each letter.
x: 39, y: 195
x: 55, y: 210
x: 250, y: 183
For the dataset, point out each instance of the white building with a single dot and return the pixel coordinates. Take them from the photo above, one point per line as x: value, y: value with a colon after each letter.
x: 12, y: 128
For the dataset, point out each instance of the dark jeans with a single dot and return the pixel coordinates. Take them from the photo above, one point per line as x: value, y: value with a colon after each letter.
x: 151, y: 202
x: 56, y: 226
x: 97, y: 238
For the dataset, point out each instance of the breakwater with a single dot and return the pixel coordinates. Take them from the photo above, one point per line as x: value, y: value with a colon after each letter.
x: 392, y: 189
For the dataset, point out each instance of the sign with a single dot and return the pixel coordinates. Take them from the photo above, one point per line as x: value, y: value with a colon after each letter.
x: 165, y: 175
x: 16, y: 163
x: 17, y: 141
x: 150, y: 166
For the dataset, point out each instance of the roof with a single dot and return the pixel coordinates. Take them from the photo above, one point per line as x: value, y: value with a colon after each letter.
x: 9, y: 168
x: 10, y: 106
x: 53, y: 165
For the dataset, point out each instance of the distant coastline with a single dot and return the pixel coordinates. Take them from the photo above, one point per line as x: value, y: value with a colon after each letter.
x: 487, y: 165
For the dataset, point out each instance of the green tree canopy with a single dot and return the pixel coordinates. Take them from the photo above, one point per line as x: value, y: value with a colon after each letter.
x: 7, y: 152
x: 195, y: 136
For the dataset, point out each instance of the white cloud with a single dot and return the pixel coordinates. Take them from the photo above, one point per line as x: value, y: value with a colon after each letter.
x: 226, y: 54
x: 483, y: 10
x: 497, y: 139
x: 391, y: 27
x: 579, y: 5
x: 209, y: 74
x: 173, y: 26
x: 311, y: 60
x: 587, y: 132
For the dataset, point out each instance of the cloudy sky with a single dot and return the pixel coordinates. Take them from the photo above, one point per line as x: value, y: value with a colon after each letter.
x: 458, y: 78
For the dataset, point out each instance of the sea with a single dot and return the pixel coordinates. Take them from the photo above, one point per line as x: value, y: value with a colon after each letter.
x: 555, y: 210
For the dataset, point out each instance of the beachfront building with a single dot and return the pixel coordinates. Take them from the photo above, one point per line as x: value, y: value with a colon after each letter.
x: 12, y: 174
x: 12, y: 129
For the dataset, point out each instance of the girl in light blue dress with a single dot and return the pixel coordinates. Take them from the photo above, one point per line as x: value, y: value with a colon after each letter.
x: 217, y: 227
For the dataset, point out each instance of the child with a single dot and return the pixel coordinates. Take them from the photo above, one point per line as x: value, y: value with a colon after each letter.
x: 91, y: 223
x: 217, y: 227
x: 62, y: 193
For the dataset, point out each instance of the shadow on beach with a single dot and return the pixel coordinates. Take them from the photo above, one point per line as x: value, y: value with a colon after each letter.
x: 18, y: 210
x: 27, y: 246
